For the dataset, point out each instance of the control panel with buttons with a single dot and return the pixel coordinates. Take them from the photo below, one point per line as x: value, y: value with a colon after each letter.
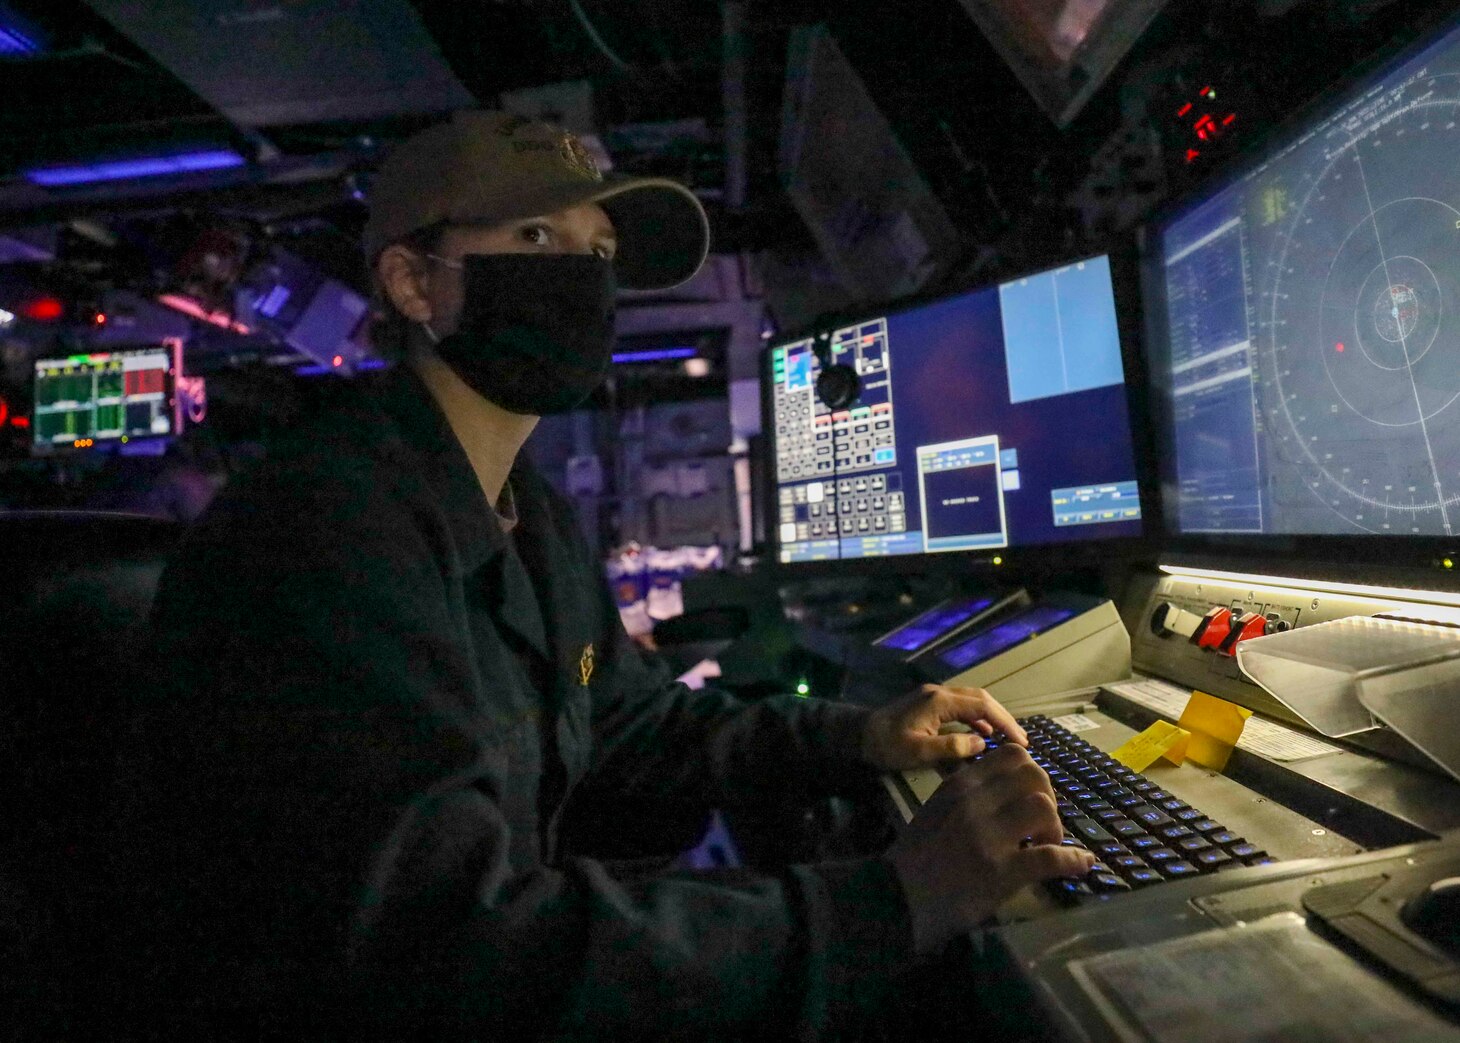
x: 1187, y: 630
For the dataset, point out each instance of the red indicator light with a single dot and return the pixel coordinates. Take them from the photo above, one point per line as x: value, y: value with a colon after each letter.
x: 1206, y: 92
x: 1191, y: 154
x: 337, y: 361
x: 43, y: 309
x: 1181, y: 112
x: 1338, y: 347
x: 100, y: 318
x: 1228, y: 118
x: 4, y: 410
x: 20, y: 421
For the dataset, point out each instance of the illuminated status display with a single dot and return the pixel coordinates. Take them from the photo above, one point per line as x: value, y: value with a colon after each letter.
x: 82, y: 399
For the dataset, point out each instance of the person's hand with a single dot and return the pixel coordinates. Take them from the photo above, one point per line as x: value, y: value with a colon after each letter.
x: 904, y: 734
x: 989, y: 830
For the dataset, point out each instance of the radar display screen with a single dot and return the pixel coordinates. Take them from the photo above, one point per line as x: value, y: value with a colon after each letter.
x: 1309, y: 350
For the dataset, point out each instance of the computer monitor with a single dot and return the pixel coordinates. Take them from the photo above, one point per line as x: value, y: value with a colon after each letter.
x: 992, y: 418
x: 1305, y: 322
x: 86, y: 401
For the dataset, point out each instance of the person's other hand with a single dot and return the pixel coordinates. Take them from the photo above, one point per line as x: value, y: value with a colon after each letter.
x: 905, y: 733
x: 988, y: 831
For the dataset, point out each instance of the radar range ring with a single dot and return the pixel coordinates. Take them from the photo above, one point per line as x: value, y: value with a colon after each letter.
x: 1359, y: 343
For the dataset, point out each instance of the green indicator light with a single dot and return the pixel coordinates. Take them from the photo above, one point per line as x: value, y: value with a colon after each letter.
x: 803, y: 689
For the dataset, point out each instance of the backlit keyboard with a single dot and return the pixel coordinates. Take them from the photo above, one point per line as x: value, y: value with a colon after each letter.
x: 1141, y: 834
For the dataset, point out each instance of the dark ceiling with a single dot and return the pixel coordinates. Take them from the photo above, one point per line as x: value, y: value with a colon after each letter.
x: 312, y: 106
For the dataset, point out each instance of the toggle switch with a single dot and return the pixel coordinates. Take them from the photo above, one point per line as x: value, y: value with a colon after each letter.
x: 1248, y: 624
x: 1168, y: 619
x: 1213, y: 628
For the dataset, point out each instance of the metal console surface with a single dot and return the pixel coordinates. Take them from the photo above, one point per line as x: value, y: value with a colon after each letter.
x: 1054, y: 975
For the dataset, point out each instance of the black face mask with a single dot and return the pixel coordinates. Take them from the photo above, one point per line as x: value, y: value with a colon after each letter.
x: 536, y: 331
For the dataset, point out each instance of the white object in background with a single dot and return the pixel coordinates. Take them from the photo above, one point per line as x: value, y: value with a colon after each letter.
x: 696, y: 676
x: 1076, y: 722
x: 665, y: 598
x: 1348, y: 675
x: 584, y: 475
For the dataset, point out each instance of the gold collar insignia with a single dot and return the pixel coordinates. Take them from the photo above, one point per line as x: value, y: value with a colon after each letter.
x: 585, y: 665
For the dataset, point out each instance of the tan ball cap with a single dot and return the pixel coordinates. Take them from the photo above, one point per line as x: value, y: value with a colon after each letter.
x: 485, y: 167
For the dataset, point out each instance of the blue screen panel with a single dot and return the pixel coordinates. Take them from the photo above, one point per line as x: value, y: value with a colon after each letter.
x: 933, y: 624
x: 974, y: 410
x: 1001, y: 638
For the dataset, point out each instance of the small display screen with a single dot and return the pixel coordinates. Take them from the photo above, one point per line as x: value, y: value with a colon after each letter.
x: 103, y: 396
x: 1001, y: 638
x: 934, y: 623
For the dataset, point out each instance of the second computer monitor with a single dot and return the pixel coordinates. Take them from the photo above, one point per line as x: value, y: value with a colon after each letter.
x: 989, y: 419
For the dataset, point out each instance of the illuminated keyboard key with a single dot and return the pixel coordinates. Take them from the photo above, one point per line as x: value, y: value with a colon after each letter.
x: 1107, y: 882
x: 1142, y: 877
x: 1088, y: 830
x: 1151, y: 818
x: 1178, y: 869
x: 1071, y: 890
x: 1213, y: 858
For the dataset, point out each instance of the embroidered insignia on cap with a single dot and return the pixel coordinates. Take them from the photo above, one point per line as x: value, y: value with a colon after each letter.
x: 578, y: 158
x: 585, y: 666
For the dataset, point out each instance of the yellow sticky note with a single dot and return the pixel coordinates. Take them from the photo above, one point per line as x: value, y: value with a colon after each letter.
x: 1215, y: 727
x: 1161, y: 739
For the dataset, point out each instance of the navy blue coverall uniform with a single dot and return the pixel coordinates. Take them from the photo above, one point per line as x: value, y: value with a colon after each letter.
x: 372, y: 707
